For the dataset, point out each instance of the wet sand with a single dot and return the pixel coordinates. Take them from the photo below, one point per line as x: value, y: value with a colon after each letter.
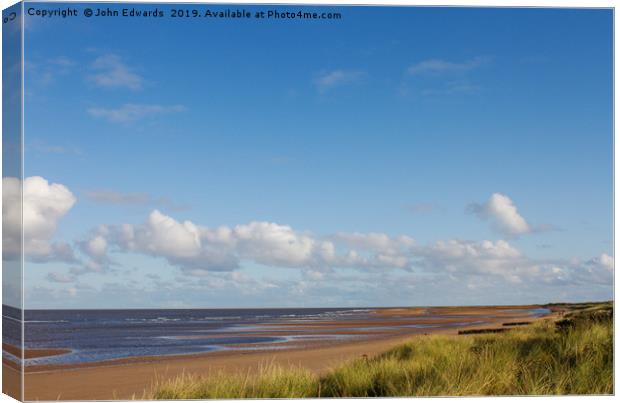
x: 129, y: 378
x: 34, y: 352
x: 11, y: 382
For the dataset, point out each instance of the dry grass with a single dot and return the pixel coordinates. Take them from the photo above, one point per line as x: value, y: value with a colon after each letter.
x: 272, y: 381
x: 574, y: 356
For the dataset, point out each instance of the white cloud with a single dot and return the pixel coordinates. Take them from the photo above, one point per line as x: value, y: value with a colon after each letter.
x: 197, y: 249
x: 97, y: 247
x: 112, y: 72
x: 95, y: 250
x: 270, y: 243
x: 330, y: 79
x: 132, y: 112
x: 606, y: 261
x: 439, y: 66
x: 215, y: 255
x: 171, y: 238
x: 182, y: 244
x: 375, y: 241
x: 503, y: 214
x: 468, y: 257
x: 44, y: 205
x: 485, y: 260
x: 599, y: 269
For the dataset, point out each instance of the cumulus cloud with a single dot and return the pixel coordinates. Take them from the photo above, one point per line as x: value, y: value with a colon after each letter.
x: 375, y: 241
x: 215, y: 255
x: 599, y: 269
x: 44, y: 205
x: 172, y: 238
x: 606, y: 262
x: 484, y: 260
x: 503, y: 214
x: 439, y: 66
x: 182, y: 244
x: 468, y: 257
x: 270, y: 243
x: 197, y: 249
x: 200, y: 251
x: 111, y: 72
x: 335, y: 78
x: 96, y: 247
x: 132, y: 112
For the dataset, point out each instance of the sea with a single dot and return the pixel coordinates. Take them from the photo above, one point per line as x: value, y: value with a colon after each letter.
x: 100, y: 335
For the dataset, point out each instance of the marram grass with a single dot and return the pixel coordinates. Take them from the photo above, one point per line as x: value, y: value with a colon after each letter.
x: 272, y: 381
x: 546, y: 358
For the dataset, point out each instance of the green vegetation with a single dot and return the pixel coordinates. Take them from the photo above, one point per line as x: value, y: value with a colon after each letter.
x: 272, y: 381
x: 571, y: 355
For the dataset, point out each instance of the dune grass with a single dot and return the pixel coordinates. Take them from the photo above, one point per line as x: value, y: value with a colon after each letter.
x: 570, y: 356
x: 269, y: 381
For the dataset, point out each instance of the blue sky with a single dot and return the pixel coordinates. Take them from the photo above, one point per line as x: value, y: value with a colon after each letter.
x: 398, y: 156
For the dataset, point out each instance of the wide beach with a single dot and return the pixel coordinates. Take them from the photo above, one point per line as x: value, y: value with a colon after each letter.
x: 317, y: 344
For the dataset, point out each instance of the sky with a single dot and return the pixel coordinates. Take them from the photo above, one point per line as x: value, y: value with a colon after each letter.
x: 394, y: 157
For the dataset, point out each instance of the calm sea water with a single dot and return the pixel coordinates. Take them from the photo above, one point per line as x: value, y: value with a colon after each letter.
x: 97, y: 335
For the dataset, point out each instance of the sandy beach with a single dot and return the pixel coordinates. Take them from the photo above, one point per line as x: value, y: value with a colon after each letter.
x: 129, y: 378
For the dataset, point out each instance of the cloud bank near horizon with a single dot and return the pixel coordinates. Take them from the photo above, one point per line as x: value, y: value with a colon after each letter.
x: 219, y: 255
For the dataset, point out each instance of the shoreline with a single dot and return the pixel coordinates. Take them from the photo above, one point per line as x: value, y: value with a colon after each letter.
x: 464, y: 318
x: 33, y: 352
x: 130, y: 378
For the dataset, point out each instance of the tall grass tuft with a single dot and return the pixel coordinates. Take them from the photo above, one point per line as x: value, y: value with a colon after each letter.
x: 272, y: 381
x: 572, y: 356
